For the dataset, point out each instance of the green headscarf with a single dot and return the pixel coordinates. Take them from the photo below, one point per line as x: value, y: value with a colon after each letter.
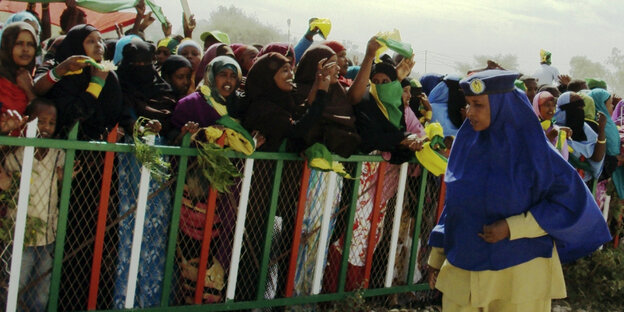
x: 217, y: 65
x: 590, y: 106
x: 595, y: 83
x: 388, y: 98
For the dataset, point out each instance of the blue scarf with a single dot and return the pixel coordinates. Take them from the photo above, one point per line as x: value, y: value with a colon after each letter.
x: 506, y: 170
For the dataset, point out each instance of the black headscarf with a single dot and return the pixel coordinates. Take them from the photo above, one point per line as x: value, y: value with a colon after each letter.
x: 386, y: 68
x: 456, y: 101
x: 145, y: 93
x: 172, y: 64
x: 97, y: 116
x: 268, y: 108
x: 575, y: 117
x: 337, y: 127
x: 8, y: 68
x: 142, y: 79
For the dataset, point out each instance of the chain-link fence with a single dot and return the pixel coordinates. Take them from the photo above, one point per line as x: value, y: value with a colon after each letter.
x: 306, y: 232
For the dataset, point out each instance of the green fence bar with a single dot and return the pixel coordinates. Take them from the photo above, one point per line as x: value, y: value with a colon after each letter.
x: 342, y: 276
x: 61, y: 230
x: 175, y: 223
x: 268, y: 234
x: 416, y: 236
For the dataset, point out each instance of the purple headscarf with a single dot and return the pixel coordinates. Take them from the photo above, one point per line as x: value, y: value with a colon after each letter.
x: 618, y: 113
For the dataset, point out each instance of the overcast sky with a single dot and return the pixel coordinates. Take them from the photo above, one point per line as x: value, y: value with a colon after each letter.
x: 450, y: 30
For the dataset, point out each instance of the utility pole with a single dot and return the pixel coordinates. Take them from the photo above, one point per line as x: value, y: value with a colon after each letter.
x: 425, y: 61
x: 288, y: 22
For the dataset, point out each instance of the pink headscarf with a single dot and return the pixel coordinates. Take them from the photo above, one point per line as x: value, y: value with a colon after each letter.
x: 284, y: 49
x: 539, y: 100
x: 209, y: 55
x: 618, y: 113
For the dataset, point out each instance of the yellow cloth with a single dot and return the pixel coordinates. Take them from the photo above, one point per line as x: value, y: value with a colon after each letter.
x: 499, y: 306
x: 393, y: 35
x: 233, y: 139
x: 95, y: 89
x: 540, y: 279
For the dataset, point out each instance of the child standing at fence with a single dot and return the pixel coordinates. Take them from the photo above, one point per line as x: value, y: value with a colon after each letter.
x: 43, y: 208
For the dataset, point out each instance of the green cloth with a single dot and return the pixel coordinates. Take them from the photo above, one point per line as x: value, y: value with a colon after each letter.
x: 590, y: 106
x: 402, y: 48
x: 520, y: 85
x: 230, y: 123
x: 107, y: 6
x: 390, y: 97
x: 596, y: 83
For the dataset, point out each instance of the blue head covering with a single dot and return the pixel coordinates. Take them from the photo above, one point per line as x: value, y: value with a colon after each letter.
x: 441, y: 104
x: 352, y: 72
x: 581, y: 147
x: 22, y: 16
x: 119, y: 46
x: 600, y: 96
x: 506, y: 170
x: 430, y: 81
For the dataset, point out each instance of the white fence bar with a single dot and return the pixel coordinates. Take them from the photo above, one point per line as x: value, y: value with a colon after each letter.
x: 239, y: 229
x: 327, y: 212
x: 20, y: 218
x: 398, y: 211
x: 137, y: 238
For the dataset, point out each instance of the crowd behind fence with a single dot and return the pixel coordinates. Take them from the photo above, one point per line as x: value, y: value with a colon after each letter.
x: 283, y: 235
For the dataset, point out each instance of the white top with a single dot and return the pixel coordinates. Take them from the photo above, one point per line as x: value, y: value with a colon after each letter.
x: 546, y: 74
x: 43, y: 201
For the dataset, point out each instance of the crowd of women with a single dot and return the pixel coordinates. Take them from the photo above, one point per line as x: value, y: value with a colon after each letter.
x: 308, y: 99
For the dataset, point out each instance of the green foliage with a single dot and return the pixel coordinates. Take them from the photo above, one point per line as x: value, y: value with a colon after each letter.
x: 34, y: 225
x: 596, y: 283
x: 354, y: 302
x: 611, y: 70
x: 148, y: 155
x: 216, y: 167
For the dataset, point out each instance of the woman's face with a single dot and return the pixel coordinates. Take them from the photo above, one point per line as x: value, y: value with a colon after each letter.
x: 180, y: 80
x: 407, y: 95
x: 283, y: 78
x: 24, y: 49
x: 380, y: 78
x: 478, y: 111
x: 192, y: 54
x: 162, y: 53
x: 547, y: 110
x: 94, y: 46
x: 342, y: 62
x: 226, y: 81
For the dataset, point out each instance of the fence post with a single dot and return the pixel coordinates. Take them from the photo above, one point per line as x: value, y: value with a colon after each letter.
x: 320, y: 253
x: 396, y: 224
x: 370, y: 248
x: 416, y: 236
x: 294, y: 251
x: 20, y: 219
x: 268, y: 234
x: 137, y: 236
x: 239, y: 229
x: 342, y: 276
x: 61, y: 230
x: 175, y: 223
x: 100, y: 231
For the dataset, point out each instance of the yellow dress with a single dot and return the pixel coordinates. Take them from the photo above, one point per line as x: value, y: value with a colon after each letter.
x: 528, y: 286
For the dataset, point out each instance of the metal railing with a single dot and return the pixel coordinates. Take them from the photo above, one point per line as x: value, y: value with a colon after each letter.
x: 275, y: 239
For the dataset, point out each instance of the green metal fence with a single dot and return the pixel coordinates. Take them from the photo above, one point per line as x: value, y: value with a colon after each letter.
x: 284, y: 234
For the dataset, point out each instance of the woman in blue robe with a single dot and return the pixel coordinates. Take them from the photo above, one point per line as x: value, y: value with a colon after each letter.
x: 515, y: 209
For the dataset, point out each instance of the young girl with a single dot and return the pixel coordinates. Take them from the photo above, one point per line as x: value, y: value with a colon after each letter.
x: 17, y: 61
x: 43, y: 205
x: 544, y: 107
x: 177, y: 71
